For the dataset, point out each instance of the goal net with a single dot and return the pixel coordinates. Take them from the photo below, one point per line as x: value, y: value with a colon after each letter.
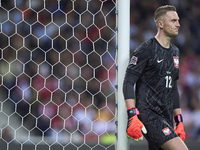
x: 57, y: 73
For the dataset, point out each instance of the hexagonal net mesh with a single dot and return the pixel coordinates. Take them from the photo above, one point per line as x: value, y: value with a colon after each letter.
x: 57, y: 73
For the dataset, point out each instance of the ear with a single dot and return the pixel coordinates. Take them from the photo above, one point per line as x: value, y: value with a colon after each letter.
x: 160, y: 24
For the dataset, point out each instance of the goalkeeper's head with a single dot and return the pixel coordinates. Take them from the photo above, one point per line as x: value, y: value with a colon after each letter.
x: 167, y: 20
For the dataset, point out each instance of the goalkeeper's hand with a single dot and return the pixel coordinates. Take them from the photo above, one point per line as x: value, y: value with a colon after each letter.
x: 134, y: 125
x: 179, y: 129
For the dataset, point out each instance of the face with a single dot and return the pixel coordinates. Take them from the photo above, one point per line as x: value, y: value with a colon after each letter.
x: 171, y: 23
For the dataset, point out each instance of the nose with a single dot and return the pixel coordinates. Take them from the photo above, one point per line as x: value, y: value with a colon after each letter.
x: 178, y: 24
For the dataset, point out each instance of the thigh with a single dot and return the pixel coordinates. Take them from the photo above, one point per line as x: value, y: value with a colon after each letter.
x: 174, y: 144
x: 158, y: 132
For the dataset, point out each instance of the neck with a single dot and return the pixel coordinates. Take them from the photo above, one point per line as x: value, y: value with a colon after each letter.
x: 163, y: 40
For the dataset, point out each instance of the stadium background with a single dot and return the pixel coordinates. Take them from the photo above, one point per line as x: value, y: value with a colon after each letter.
x: 142, y: 28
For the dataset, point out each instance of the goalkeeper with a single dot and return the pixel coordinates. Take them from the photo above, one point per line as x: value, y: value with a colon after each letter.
x: 154, y: 71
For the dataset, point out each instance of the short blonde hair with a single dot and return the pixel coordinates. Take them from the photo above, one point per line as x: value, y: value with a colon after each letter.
x: 160, y: 11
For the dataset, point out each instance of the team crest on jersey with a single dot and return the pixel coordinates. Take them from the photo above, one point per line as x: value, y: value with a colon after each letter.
x: 176, y: 62
x: 166, y: 131
x: 133, y: 60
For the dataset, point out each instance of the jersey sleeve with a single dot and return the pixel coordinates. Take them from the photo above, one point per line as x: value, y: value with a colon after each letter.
x: 176, y: 99
x: 136, y: 66
x: 138, y: 60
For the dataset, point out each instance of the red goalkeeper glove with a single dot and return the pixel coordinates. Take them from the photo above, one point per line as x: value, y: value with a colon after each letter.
x: 135, y: 126
x: 179, y: 129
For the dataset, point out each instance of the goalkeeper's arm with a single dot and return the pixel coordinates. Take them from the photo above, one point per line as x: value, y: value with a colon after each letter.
x: 134, y: 125
x: 179, y: 129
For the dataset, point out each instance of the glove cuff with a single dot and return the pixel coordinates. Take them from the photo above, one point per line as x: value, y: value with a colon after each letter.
x: 178, y: 118
x: 132, y: 111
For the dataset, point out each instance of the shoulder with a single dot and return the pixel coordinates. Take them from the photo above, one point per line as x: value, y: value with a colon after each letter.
x: 175, y: 49
x: 145, y: 46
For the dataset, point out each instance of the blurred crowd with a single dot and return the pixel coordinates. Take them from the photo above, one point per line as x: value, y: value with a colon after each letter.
x: 57, y: 63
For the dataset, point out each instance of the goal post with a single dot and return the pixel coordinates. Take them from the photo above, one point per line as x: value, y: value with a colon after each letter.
x: 123, y: 51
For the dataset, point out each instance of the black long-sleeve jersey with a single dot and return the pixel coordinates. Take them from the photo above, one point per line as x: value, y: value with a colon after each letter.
x: 155, y: 70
